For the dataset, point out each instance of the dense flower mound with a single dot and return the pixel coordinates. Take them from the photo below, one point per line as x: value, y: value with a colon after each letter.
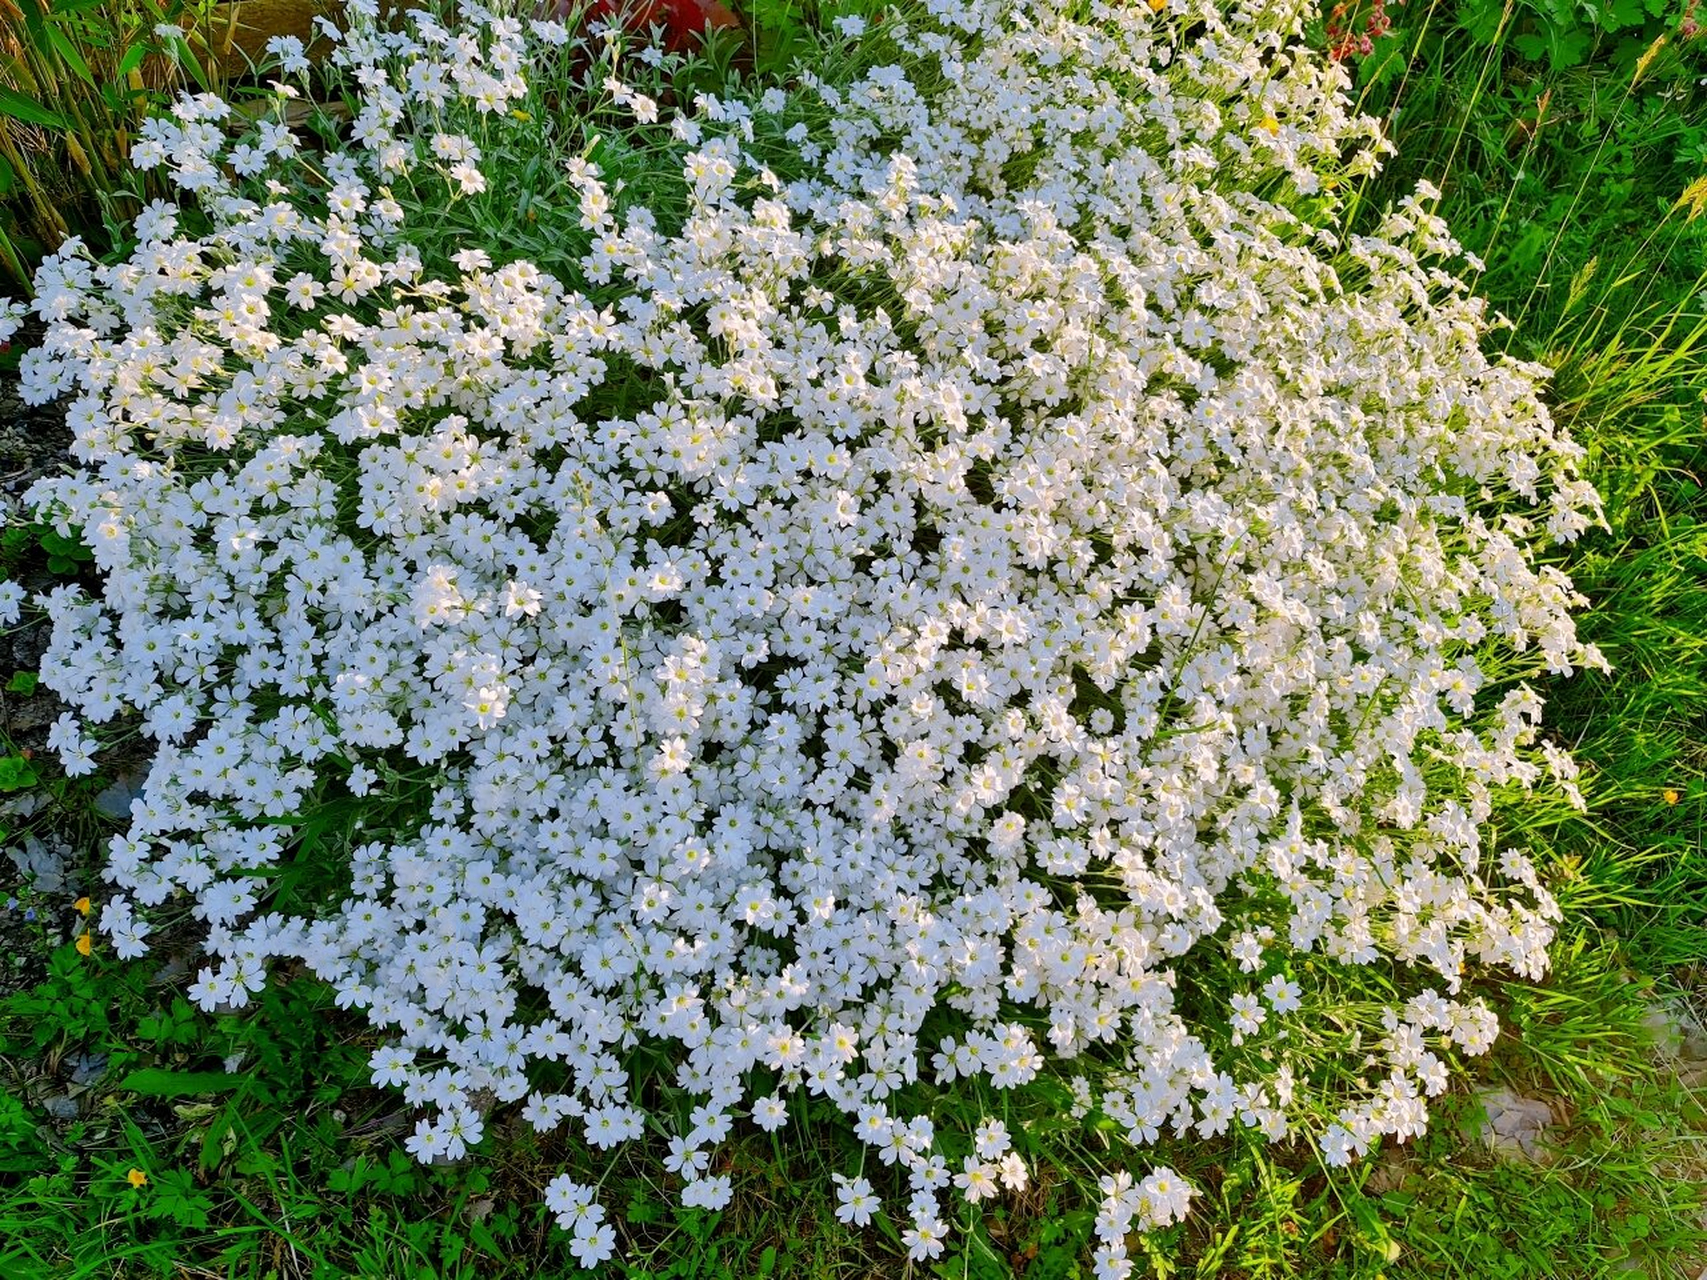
x: 864, y: 578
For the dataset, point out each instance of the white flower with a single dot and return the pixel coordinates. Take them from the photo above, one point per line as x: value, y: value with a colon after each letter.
x: 855, y: 1200
x: 290, y: 52
x: 770, y: 1113
x: 593, y: 1244
x: 926, y: 1238
x: 11, y: 603
x: 884, y: 600
x: 1282, y: 994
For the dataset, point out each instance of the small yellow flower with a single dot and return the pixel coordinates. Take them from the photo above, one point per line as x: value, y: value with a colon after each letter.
x: 84, y: 945
x: 521, y: 115
x: 1670, y: 795
x: 1156, y: 6
x: 1270, y: 126
x: 136, y: 1178
x: 82, y: 905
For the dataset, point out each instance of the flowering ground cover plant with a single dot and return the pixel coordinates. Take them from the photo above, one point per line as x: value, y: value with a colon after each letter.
x: 947, y: 572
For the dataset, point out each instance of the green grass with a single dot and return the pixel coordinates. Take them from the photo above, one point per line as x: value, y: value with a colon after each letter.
x: 1564, y: 173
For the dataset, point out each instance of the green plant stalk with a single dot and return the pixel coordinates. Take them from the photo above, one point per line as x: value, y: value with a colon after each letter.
x: 46, y: 215
x: 13, y: 261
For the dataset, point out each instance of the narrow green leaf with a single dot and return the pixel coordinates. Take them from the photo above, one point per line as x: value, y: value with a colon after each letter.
x: 20, y: 107
x: 157, y: 1082
x: 67, y: 50
x: 187, y: 59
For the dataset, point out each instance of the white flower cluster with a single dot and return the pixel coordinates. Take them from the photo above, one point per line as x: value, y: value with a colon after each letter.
x: 977, y: 536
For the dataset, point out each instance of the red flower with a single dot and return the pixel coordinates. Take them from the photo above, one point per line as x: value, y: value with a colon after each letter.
x: 683, y: 21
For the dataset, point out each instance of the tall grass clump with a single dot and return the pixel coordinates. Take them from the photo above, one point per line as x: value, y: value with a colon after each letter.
x: 77, y: 80
x: 1571, y: 149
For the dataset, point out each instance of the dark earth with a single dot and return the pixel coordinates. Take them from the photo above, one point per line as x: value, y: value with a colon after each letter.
x: 45, y: 871
x: 51, y: 827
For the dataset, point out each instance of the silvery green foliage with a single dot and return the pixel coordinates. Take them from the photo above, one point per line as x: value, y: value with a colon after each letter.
x: 874, y: 611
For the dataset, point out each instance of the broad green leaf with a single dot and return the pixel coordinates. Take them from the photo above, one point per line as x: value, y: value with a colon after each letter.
x: 1616, y: 15
x: 1483, y: 22
x: 1533, y: 47
x: 16, y: 773
x: 1570, y: 49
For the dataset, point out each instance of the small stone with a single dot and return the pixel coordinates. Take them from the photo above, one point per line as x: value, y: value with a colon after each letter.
x: 1661, y: 1024
x: 28, y: 646
x: 26, y: 714
x: 41, y: 864
x: 1389, y: 1173
x: 1677, y: 1033
x: 22, y: 805
x: 87, y: 1068
x: 116, y: 800
x: 1515, y: 1127
x: 1694, y: 1040
x: 173, y: 972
